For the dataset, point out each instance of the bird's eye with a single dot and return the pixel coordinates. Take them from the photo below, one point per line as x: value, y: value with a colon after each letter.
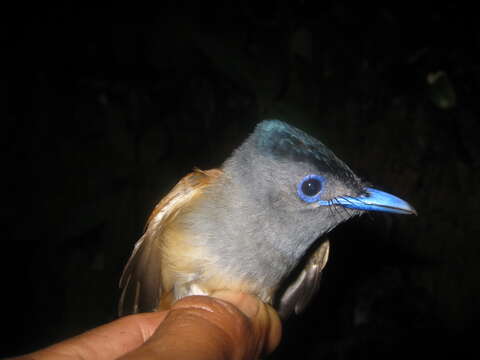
x: 310, y: 188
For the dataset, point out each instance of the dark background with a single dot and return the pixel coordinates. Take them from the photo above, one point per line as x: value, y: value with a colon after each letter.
x: 109, y: 105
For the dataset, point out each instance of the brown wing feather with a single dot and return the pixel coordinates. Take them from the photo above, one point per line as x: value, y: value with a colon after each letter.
x: 141, y: 278
x: 297, y: 296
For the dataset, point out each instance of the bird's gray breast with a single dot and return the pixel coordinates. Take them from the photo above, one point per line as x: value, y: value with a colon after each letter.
x: 243, y: 237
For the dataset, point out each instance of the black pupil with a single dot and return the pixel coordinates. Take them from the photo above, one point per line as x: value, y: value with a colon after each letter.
x: 311, y: 187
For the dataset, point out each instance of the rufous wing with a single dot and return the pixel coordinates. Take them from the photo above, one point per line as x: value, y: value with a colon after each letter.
x: 141, y: 280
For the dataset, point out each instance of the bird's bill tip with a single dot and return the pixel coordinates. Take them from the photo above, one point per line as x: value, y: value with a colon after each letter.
x: 377, y: 200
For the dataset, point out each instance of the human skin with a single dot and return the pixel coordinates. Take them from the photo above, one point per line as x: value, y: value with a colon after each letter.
x: 226, y: 325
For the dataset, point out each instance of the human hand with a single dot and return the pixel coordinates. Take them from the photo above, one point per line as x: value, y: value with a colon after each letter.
x: 228, y: 325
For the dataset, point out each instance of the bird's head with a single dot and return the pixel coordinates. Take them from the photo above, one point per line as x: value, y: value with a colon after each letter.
x: 297, y: 188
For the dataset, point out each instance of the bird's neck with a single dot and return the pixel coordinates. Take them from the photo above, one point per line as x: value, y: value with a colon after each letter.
x: 244, y: 237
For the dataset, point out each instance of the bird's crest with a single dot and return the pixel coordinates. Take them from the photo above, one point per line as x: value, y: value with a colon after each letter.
x: 282, y: 141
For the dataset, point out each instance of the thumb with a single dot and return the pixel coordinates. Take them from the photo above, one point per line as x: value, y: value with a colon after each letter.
x: 228, y: 325
x: 266, y: 323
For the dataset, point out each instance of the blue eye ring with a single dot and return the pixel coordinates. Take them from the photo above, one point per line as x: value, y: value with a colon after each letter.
x: 311, y: 187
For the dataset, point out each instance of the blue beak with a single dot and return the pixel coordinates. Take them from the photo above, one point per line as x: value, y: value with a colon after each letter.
x: 376, y: 200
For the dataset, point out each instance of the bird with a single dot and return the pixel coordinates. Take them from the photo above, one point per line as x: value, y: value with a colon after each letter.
x: 258, y: 224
